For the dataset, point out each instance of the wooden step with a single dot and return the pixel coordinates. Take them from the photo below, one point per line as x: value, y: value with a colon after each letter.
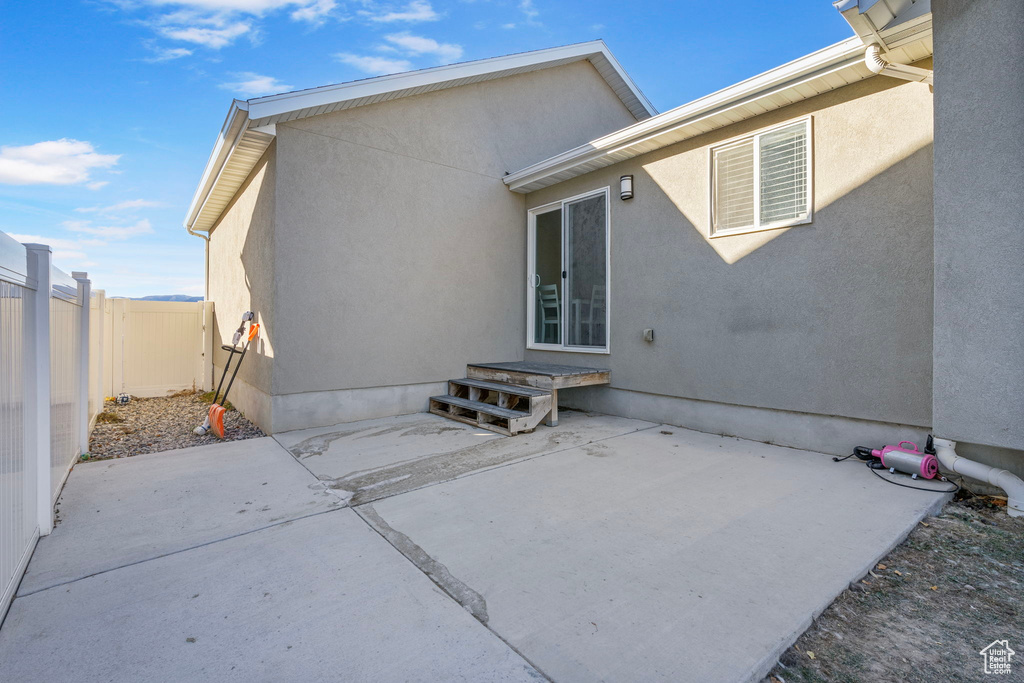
x: 480, y: 407
x: 546, y: 376
x: 517, y: 389
x: 486, y: 415
x: 510, y: 396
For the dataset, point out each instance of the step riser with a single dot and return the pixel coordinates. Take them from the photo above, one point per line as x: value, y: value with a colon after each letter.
x: 483, y: 425
x: 506, y: 377
x: 498, y: 398
x: 499, y: 408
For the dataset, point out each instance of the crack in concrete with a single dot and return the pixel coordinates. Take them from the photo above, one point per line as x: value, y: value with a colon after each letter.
x: 369, y: 486
x: 470, y: 600
x: 318, y: 445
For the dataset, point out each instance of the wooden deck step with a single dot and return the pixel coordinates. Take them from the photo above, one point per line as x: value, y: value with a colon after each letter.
x: 487, y: 415
x: 517, y: 389
x: 480, y: 407
x: 547, y: 376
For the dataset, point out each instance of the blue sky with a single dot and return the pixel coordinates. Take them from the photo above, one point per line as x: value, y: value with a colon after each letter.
x: 110, y: 107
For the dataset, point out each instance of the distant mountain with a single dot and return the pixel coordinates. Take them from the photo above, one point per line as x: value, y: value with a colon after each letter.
x: 168, y: 297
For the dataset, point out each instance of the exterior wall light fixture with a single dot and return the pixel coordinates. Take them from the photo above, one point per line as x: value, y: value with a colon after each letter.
x: 626, y: 187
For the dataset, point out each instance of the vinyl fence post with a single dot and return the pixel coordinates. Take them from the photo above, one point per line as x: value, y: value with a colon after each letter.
x: 97, y: 354
x: 84, y: 296
x: 37, y: 381
x: 207, y: 370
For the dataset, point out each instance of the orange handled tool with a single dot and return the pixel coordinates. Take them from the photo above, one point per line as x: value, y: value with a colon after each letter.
x: 215, y: 416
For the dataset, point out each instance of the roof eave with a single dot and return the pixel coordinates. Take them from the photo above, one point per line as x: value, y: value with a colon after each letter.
x: 252, y: 123
x: 837, y: 56
x: 234, y: 127
x: 273, y: 108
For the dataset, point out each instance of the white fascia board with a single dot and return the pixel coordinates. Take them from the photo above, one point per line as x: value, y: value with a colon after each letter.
x: 234, y: 126
x: 875, y: 20
x: 247, y: 115
x: 915, y: 11
x: 837, y: 56
x: 277, y: 105
x: 646, y: 103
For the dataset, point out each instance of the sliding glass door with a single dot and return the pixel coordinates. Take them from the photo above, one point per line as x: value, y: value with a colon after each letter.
x: 568, y: 274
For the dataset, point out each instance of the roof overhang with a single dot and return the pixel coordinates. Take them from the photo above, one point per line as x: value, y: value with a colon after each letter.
x: 250, y: 125
x: 889, y: 24
x: 833, y: 67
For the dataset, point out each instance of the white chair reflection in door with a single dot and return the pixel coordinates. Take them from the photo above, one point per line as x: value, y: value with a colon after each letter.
x: 588, y: 317
x: 550, y: 305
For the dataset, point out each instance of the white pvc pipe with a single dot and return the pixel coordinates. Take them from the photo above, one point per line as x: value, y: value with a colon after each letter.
x: 945, y: 451
x: 874, y: 60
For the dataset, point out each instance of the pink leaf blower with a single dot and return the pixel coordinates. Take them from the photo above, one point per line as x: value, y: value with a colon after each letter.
x: 908, y: 459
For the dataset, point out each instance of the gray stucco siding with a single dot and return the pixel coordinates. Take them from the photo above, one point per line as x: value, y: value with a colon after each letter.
x: 399, y: 249
x: 833, y: 317
x: 242, y: 271
x: 979, y: 222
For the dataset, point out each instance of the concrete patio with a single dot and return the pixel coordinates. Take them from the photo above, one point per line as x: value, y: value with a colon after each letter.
x: 415, y: 548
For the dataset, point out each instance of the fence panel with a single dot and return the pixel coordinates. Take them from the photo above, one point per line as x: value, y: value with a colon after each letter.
x: 44, y: 356
x: 17, y: 490
x: 65, y: 379
x: 155, y: 346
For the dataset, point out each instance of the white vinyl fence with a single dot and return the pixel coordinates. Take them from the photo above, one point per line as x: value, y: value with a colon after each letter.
x: 44, y: 419
x: 150, y: 348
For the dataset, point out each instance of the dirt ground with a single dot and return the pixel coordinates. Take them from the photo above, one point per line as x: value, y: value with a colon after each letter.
x: 149, y: 425
x: 928, y: 609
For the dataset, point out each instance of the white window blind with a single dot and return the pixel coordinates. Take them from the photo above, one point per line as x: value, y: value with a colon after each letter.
x: 734, y: 186
x: 762, y: 181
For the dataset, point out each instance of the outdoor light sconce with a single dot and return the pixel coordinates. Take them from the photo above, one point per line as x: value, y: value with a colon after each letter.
x: 626, y: 187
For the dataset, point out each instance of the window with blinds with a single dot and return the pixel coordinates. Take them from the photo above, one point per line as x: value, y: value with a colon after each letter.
x: 762, y: 181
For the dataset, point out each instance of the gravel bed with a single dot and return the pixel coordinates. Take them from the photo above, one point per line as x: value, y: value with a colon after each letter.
x: 150, y: 425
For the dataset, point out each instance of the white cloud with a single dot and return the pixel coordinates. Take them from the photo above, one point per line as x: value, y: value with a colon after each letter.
x: 167, y: 54
x: 530, y: 11
x: 54, y: 162
x: 54, y: 242
x: 314, y: 12
x: 218, y: 23
x: 417, y: 45
x: 245, y: 6
x: 417, y: 10
x: 214, y: 38
x: 120, y: 207
x: 374, y: 65
x: 123, y: 232
x: 508, y: 26
x: 253, y: 84
x: 66, y: 253
x: 302, y: 10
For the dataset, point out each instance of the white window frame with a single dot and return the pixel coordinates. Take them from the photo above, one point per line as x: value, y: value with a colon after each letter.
x: 802, y: 219
x: 531, y: 255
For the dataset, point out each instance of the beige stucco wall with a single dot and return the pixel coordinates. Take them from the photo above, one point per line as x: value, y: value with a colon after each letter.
x: 832, y: 318
x: 241, y: 278
x: 400, y: 252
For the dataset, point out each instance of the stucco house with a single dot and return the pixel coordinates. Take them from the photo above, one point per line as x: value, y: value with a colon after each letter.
x: 825, y: 254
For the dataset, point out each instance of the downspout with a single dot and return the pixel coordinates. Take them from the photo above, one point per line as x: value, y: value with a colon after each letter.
x: 206, y: 265
x: 945, y: 451
x: 874, y: 60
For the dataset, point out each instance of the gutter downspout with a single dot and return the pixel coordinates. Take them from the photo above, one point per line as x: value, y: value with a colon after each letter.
x: 206, y: 264
x: 945, y: 451
x: 874, y: 60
